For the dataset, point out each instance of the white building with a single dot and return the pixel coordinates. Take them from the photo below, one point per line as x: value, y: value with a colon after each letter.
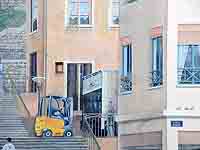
x: 159, y: 103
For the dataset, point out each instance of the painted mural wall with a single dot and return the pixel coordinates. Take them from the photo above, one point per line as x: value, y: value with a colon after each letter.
x: 12, y: 51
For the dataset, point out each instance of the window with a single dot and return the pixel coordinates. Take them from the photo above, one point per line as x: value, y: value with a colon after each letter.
x: 188, y: 64
x: 126, y: 70
x: 80, y: 12
x: 115, y: 12
x: 157, y: 61
x: 34, y: 15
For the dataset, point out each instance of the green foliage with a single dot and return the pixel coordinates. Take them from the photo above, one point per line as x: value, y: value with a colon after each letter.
x: 11, y: 17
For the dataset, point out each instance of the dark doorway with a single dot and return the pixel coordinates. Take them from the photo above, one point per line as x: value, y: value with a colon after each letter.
x: 75, y: 71
x: 33, y: 71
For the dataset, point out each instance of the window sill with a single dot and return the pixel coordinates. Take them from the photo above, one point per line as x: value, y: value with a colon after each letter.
x: 114, y: 26
x: 79, y: 26
x: 155, y: 87
x: 126, y: 93
x: 33, y: 32
x: 188, y: 86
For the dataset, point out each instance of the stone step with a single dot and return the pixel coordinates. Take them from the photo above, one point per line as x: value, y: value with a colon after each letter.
x: 85, y: 148
x: 66, y: 146
x: 58, y: 139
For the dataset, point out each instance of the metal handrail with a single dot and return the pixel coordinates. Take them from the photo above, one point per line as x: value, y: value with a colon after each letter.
x: 14, y: 91
x: 88, y: 133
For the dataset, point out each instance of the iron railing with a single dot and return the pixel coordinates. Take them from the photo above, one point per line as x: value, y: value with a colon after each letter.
x: 102, y: 125
x: 126, y: 84
x: 188, y: 75
x: 157, y: 78
x: 188, y: 147
x: 88, y: 133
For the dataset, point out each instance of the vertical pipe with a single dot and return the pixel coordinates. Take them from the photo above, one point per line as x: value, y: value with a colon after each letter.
x: 79, y: 85
x: 45, y: 50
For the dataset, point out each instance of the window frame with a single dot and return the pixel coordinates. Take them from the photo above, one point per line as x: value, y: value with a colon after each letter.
x: 193, y: 84
x: 157, y: 62
x: 129, y: 67
x: 67, y: 15
x: 110, y: 15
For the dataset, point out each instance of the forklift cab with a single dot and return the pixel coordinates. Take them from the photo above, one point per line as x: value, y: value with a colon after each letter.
x: 54, y: 119
x: 59, y: 108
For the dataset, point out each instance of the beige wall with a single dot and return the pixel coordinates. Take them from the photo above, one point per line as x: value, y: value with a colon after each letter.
x: 31, y: 103
x: 108, y: 143
x: 189, y: 33
x: 98, y: 43
x: 34, y: 41
x: 180, y: 99
x: 137, y: 21
x: 187, y: 12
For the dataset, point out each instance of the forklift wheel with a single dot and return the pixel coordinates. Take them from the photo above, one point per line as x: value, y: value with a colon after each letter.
x: 68, y: 133
x: 47, y: 133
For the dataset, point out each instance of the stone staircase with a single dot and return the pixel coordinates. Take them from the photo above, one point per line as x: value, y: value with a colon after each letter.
x: 12, y: 125
x: 33, y: 143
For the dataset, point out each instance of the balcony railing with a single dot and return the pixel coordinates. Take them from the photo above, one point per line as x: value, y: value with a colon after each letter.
x: 126, y: 84
x: 102, y: 125
x: 87, y: 132
x: 188, y: 75
x: 157, y: 78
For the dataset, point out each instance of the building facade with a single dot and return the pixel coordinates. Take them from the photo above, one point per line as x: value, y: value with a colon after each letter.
x: 160, y: 77
x: 70, y: 39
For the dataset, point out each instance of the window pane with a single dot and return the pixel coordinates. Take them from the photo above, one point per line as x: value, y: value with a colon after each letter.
x: 84, y: 20
x: 84, y: 9
x: 80, y: 12
x: 125, y: 60
x: 73, y: 9
x: 73, y: 20
x: 154, y: 54
x: 197, y: 57
x: 130, y: 58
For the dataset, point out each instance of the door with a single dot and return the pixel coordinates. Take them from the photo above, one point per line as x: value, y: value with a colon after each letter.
x: 75, y: 71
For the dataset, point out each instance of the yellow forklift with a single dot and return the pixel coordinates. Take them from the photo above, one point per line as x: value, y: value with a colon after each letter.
x: 56, y: 118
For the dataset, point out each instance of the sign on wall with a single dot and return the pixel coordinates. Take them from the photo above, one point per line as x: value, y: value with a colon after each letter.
x: 176, y: 123
x: 92, y: 82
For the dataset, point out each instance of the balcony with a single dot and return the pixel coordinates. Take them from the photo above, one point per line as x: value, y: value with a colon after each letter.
x: 126, y: 84
x: 188, y: 75
x: 157, y: 78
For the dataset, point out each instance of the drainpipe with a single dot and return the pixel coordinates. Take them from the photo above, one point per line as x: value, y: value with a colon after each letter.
x: 45, y: 51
